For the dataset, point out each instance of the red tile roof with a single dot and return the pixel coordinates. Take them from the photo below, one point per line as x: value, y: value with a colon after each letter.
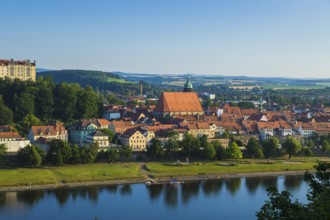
x: 179, y: 102
x: 10, y: 135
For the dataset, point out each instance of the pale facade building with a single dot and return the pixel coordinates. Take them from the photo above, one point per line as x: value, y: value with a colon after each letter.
x: 23, y: 70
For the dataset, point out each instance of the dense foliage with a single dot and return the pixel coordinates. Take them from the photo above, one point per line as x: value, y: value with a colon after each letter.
x: 280, y: 205
x: 29, y: 103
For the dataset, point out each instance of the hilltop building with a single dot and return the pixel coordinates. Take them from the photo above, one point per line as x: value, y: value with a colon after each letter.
x: 23, y: 70
x: 179, y: 103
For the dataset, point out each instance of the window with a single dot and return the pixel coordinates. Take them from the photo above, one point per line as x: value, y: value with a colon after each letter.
x: 12, y: 70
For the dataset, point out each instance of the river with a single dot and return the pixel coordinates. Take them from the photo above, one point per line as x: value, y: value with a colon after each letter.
x: 235, y: 198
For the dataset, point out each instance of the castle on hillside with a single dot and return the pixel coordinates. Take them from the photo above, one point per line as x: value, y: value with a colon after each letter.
x: 179, y: 103
x: 23, y: 70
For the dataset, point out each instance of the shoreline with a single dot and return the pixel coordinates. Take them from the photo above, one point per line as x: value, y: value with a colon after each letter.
x: 161, y: 180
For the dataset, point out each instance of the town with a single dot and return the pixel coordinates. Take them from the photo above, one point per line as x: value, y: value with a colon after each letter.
x: 176, y: 126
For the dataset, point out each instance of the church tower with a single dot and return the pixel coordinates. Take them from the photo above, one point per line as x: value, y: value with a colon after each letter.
x: 188, y: 86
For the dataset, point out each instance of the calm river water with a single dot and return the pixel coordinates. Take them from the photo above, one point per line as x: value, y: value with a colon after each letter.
x: 237, y: 198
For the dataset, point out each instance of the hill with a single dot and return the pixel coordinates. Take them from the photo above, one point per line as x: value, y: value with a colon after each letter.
x: 81, y: 76
x: 96, y: 79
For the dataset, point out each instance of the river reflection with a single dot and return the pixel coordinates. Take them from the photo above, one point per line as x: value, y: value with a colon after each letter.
x: 172, y: 196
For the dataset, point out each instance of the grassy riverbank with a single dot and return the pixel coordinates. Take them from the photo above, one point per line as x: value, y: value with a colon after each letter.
x: 139, y: 171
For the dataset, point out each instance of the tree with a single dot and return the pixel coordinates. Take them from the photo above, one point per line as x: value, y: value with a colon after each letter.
x: 292, y: 146
x: 113, y: 155
x: 6, y: 114
x: 310, y: 144
x: 3, y: 152
x: 225, y: 134
x: 86, y: 103
x: 126, y: 153
x: 325, y: 146
x: 44, y: 99
x: 24, y: 105
x: 75, y: 154
x: 269, y: 146
x: 65, y: 97
x: 25, y: 125
x: 219, y: 149
x: 172, y: 145
x: 59, y: 147
x: 92, y: 152
x: 155, y: 149
x: 233, y: 151
x: 102, y: 156
x: 190, y: 145
x: 208, y: 150
x: 307, y: 151
x: 280, y: 205
x: 253, y: 149
x: 29, y: 156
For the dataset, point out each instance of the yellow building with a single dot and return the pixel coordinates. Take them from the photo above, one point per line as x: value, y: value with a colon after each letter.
x: 23, y: 70
x: 134, y: 139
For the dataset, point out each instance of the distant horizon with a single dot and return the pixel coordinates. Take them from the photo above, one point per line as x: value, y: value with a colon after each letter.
x: 257, y: 38
x: 180, y: 74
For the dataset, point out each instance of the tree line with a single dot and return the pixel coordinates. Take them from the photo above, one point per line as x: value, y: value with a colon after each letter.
x: 200, y: 148
x: 27, y: 103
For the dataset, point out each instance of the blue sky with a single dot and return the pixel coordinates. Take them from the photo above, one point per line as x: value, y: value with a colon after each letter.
x: 288, y: 38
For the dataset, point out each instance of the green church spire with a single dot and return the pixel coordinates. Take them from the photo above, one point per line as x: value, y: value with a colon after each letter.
x: 188, y: 86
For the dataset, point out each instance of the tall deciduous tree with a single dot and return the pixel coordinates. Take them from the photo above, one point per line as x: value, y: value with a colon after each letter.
x: 190, y: 145
x: 44, y: 100
x: 113, y: 155
x: 59, y: 152
x: 6, y: 114
x: 208, y: 150
x: 253, y: 149
x: 155, y: 149
x: 75, y: 154
x: 87, y: 103
x: 292, y: 146
x: 24, y: 105
x: 233, y: 151
x: 29, y: 156
x: 269, y: 146
x: 325, y: 146
x: 65, y: 101
x: 219, y: 149
x: 25, y: 125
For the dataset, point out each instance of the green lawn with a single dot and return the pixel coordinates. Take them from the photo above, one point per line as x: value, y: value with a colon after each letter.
x: 226, y: 167
x: 77, y: 173
x: 130, y: 171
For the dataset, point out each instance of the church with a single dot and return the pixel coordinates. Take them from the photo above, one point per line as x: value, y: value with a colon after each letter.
x: 179, y: 103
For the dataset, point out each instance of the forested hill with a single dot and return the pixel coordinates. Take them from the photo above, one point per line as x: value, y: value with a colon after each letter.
x: 84, y: 77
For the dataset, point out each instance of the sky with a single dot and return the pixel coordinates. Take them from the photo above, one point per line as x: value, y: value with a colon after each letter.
x: 271, y: 38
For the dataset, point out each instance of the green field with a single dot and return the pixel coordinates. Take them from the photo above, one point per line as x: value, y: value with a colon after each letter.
x: 282, y: 86
x: 69, y: 174
x: 134, y: 171
x: 225, y: 168
x: 111, y: 79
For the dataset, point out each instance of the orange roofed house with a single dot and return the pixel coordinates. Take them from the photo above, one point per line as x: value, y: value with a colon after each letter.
x: 13, y: 141
x: 56, y: 131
